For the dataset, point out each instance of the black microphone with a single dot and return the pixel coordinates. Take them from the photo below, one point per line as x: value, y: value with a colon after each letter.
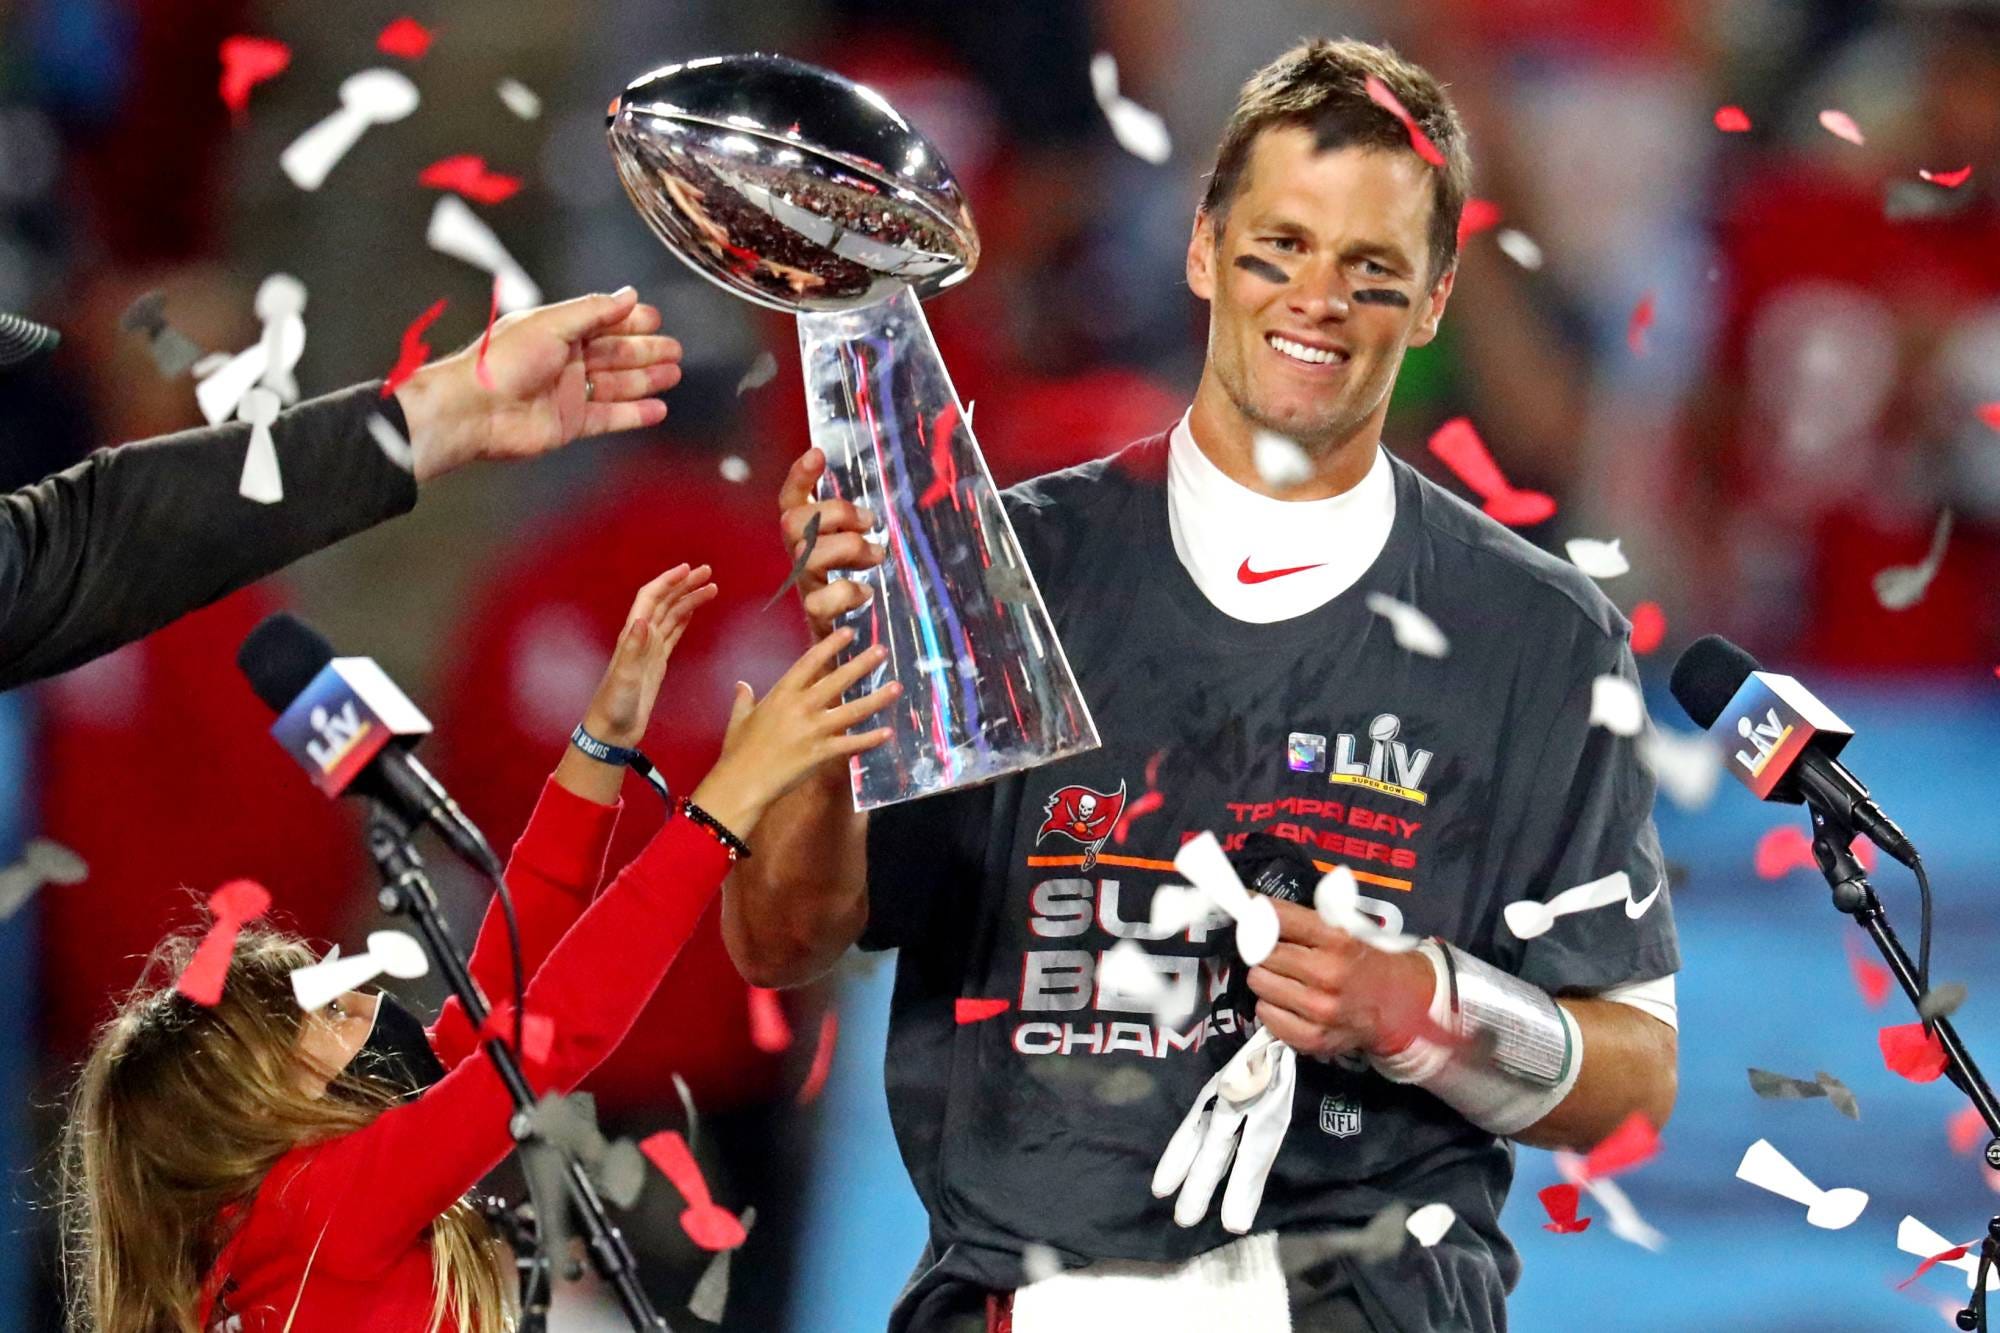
x: 350, y: 728
x: 1792, y: 738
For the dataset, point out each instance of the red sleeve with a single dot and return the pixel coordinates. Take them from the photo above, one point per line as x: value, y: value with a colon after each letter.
x: 374, y: 1191
x: 556, y: 866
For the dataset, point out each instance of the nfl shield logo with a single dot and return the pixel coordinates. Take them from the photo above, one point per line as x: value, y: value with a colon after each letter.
x: 1340, y: 1117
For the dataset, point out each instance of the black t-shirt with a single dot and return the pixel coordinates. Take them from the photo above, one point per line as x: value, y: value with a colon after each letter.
x: 1451, y: 786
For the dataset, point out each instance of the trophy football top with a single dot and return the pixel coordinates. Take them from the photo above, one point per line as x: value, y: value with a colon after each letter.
x: 789, y: 185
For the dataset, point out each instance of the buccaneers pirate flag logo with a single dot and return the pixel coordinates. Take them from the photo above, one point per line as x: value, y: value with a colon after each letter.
x: 1084, y: 815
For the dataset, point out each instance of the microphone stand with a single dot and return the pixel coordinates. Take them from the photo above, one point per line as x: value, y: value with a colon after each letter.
x: 1853, y: 894
x: 407, y: 891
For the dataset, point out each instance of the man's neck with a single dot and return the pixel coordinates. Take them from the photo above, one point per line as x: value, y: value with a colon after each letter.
x: 1228, y: 439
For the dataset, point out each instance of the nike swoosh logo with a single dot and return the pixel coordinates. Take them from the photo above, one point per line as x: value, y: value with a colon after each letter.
x: 1245, y: 574
x: 1638, y: 909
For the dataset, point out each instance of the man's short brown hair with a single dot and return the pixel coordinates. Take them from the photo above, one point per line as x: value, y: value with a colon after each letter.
x: 1321, y: 85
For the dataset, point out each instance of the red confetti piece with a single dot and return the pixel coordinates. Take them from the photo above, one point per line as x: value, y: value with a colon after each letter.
x: 1870, y: 977
x: 1636, y: 326
x: 1841, y: 126
x: 1561, y: 1203
x: 538, y: 1032
x: 468, y: 174
x: 706, y: 1225
x: 769, y: 1030
x: 1731, y: 120
x: 1479, y: 215
x: 1633, y: 1143
x: 965, y: 1011
x: 1649, y: 627
x: 1458, y: 445
x: 479, y: 370
x: 1990, y: 414
x: 236, y: 902
x: 406, y: 38
x: 1951, y: 180
x: 415, y: 351
x: 822, y: 1061
x: 1782, y: 850
x: 1379, y: 94
x: 247, y: 62
x: 1965, y: 1129
x: 1912, y: 1052
x: 1951, y: 1255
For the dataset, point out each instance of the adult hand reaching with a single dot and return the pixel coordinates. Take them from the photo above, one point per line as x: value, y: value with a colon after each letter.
x: 556, y: 373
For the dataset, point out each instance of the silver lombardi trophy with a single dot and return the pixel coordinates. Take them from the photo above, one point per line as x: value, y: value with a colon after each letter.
x: 803, y: 191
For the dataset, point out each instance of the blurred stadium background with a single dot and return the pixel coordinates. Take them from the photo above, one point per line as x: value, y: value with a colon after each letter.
x: 1826, y: 327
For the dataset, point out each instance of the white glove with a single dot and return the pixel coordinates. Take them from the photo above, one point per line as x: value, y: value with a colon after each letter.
x: 1253, y: 1093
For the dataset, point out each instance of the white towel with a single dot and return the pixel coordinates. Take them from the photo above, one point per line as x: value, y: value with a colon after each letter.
x: 1239, y: 1287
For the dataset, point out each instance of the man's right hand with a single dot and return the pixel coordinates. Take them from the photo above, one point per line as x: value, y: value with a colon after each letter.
x: 841, y: 544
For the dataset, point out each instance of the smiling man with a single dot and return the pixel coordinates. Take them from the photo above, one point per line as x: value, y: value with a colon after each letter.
x: 1224, y: 630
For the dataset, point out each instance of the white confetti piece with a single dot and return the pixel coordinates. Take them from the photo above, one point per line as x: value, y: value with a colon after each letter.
x: 317, y: 985
x: 1600, y: 560
x: 1531, y: 917
x: 1687, y: 765
x: 520, y: 98
x: 1203, y: 863
x: 1337, y: 899
x: 1519, y: 247
x: 1279, y: 461
x: 1415, y: 632
x: 261, y: 481
x: 391, y: 442
x: 371, y: 97
x: 761, y: 372
x: 1913, y: 1237
x: 1617, y: 706
x: 456, y: 231
x: 1768, y: 1169
x: 734, y: 468
x: 1620, y: 1216
x: 219, y: 388
x: 1138, y: 131
x: 1175, y: 907
x: 1841, y: 126
x: 1900, y: 587
x: 710, y: 1298
x: 1038, y: 1263
x: 281, y: 306
x: 1128, y: 979
x: 681, y: 1090
x: 1429, y: 1223
x: 42, y: 862
x: 209, y: 365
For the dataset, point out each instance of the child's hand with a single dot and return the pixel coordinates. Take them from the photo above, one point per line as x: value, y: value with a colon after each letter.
x: 623, y: 704
x: 799, y: 725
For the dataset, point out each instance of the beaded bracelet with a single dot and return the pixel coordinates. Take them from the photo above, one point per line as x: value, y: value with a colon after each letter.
x: 735, y: 846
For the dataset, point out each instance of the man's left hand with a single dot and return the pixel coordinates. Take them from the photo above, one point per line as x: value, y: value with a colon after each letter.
x: 553, y: 374
x: 1324, y: 993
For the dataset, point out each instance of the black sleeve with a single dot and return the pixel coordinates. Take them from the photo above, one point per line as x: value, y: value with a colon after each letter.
x: 1584, y: 809
x: 924, y: 856
x: 131, y: 538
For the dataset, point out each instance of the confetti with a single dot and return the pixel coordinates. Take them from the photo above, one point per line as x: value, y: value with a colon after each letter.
x: 1279, y: 461
x: 456, y: 231
x: 317, y: 985
x: 1429, y: 1223
x: 1913, y: 1237
x: 1901, y: 587
x: 1378, y: 1242
x: 1731, y: 120
x: 261, y: 480
x: 405, y: 38
x: 1621, y: 1218
x: 1912, y: 1050
x: 1337, y: 899
x: 1414, y: 631
x: 371, y: 97
x: 1941, y: 1001
x: 769, y: 1031
x: 246, y: 62
x: 1782, y: 850
x: 1649, y: 627
x: 173, y: 352
x: 1841, y: 126
x: 469, y: 175
x: 707, y: 1225
x: 1966, y: 1129
x: 762, y: 371
x: 1561, y: 1202
x: 538, y: 1032
x: 1871, y: 978
x: 220, y: 392
x: 1176, y: 907
x: 1784, y: 1088
x: 1038, y: 1263
x: 1990, y: 414
x: 1640, y: 321
x: 1519, y: 247
x: 806, y: 543
x: 1478, y: 216
x: 393, y: 445
x: 734, y: 468
x: 1950, y: 180
x: 1203, y: 864
x: 710, y: 1297
x: 569, y: 1124
x: 280, y: 307
x: 1768, y: 1169
x: 1138, y: 131
x: 682, y: 1091
x: 822, y: 1061
x: 964, y: 1010
x: 42, y: 862
x: 479, y: 369
x: 520, y: 99
x: 414, y: 351
x: 1941, y: 1257
x: 1687, y: 765
x: 1634, y: 1143
x: 1617, y: 706
x: 1458, y: 445
x: 1600, y: 560
x: 1379, y: 94
x: 229, y: 907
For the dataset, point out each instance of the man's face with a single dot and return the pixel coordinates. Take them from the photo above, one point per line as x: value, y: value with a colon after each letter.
x: 1317, y: 285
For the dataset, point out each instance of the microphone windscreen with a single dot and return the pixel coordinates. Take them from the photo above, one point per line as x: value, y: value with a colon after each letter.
x: 1707, y: 677
x: 280, y: 657
x: 23, y: 339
